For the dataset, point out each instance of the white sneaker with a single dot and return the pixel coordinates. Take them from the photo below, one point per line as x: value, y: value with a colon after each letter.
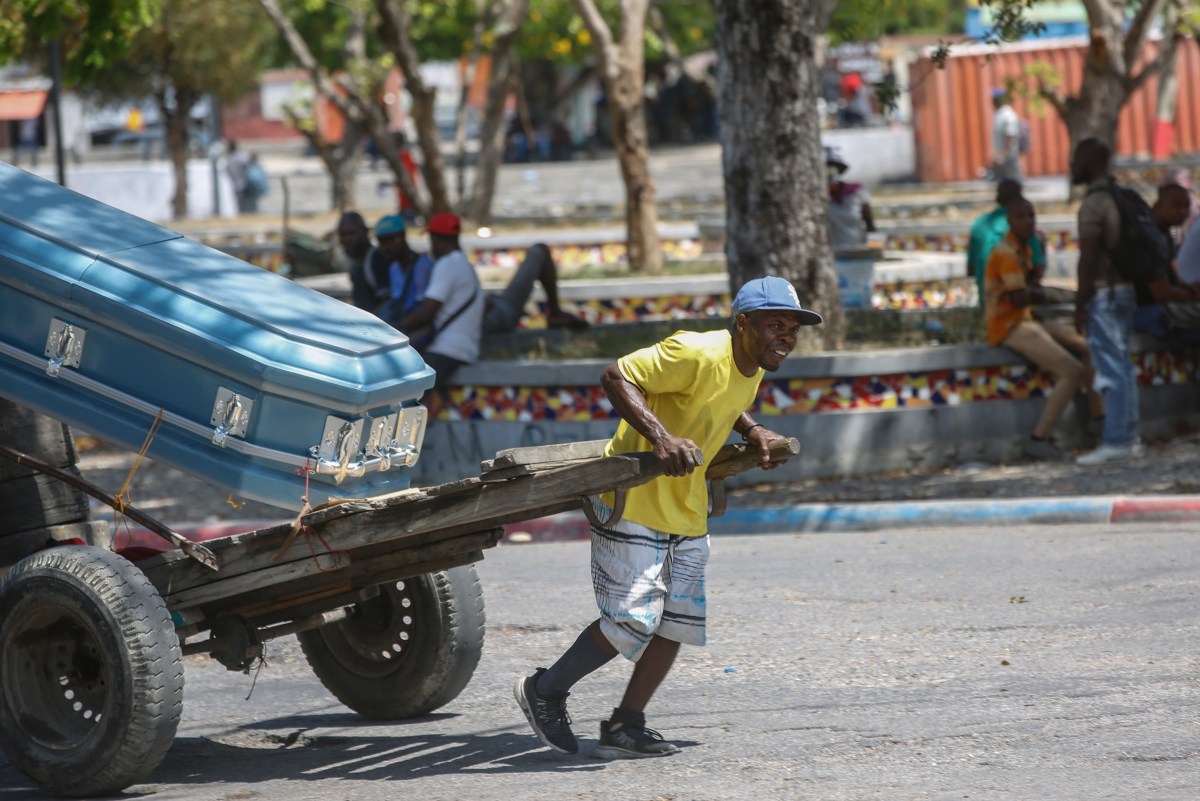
x: 1110, y: 453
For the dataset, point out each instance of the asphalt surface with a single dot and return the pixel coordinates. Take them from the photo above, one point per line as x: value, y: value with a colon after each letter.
x: 927, y: 665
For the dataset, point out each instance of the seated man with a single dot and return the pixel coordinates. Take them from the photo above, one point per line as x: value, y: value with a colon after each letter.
x: 1010, y: 289
x: 990, y: 228
x: 408, y: 271
x: 1167, y: 307
x: 504, y: 311
x: 445, y: 325
x: 368, y: 267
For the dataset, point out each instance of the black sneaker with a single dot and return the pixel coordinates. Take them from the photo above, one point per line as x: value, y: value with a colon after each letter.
x: 547, y: 714
x: 631, y: 742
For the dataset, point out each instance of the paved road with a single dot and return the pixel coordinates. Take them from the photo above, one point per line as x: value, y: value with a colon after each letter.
x: 1051, y: 664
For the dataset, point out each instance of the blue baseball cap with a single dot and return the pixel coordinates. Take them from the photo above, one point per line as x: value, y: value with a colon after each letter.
x: 772, y: 294
x: 389, y: 225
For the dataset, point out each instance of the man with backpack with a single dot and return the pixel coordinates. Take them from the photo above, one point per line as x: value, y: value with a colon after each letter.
x: 1110, y: 233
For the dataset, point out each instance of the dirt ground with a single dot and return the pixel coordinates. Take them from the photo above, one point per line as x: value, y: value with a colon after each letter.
x: 1169, y: 467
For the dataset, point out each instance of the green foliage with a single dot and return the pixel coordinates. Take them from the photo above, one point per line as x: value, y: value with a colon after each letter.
x: 865, y: 20
x: 92, y: 33
x: 193, y: 46
x: 554, y: 32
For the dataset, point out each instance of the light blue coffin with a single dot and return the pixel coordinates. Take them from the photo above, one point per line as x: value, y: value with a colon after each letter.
x: 108, y: 322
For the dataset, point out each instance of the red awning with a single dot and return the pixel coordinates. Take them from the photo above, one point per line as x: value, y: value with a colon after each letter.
x: 22, y: 104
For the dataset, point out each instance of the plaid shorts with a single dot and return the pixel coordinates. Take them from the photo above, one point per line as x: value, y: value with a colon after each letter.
x: 647, y: 583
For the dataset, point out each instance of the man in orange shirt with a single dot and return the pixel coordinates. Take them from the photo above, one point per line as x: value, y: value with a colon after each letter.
x: 1010, y: 289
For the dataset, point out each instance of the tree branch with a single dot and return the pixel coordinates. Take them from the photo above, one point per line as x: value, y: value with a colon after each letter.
x: 602, y: 38
x: 1135, y: 36
x: 1166, y: 53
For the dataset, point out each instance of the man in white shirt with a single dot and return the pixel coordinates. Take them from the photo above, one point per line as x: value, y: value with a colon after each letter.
x: 1006, y: 138
x: 446, y: 325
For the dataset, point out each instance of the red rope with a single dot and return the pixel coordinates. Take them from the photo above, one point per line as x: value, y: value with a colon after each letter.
x: 309, y: 532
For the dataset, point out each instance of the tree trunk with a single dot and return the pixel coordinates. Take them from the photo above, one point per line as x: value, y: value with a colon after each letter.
x: 628, y: 114
x: 394, y: 28
x: 492, y: 132
x: 460, y: 118
x: 1110, y: 71
x: 175, y: 122
x: 622, y: 68
x: 1096, y: 111
x: 775, y: 189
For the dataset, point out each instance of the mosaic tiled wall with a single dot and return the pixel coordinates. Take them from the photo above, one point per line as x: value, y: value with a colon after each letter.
x: 817, y: 395
x: 956, y: 242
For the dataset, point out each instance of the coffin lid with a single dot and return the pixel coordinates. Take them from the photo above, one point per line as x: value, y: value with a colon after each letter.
x: 204, y: 305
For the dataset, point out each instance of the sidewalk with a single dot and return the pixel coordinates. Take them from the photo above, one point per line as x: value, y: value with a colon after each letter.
x: 1162, y: 486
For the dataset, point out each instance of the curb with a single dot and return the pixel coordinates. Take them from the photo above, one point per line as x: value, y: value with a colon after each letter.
x: 813, y: 518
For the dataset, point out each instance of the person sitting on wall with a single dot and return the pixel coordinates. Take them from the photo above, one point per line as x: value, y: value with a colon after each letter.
x: 1168, y: 307
x: 370, y: 287
x: 503, y: 311
x: 445, y: 326
x: 849, y: 206
x: 1010, y: 286
x: 408, y: 271
x: 990, y: 228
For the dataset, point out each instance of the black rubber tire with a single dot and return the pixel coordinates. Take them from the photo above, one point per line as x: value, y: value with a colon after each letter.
x: 91, y: 673
x: 406, y: 652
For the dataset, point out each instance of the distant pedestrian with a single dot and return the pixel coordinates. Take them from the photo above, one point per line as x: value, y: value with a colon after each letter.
x: 256, y: 185
x: 236, y: 161
x: 1006, y: 138
x: 848, y: 208
x: 27, y: 141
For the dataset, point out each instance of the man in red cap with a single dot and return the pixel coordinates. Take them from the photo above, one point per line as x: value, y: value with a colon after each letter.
x: 446, y: 325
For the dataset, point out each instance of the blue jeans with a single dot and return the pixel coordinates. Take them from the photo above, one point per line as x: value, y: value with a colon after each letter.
x: 1110, y: 339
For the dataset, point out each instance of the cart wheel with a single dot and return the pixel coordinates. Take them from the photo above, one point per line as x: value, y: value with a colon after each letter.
x: 405, y: 652
x: 91, y: 674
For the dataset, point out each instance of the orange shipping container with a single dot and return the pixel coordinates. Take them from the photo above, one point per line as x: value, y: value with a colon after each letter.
x: 952, y: 108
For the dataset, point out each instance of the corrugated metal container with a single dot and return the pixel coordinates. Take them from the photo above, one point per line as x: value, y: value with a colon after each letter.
x: 952, y: 108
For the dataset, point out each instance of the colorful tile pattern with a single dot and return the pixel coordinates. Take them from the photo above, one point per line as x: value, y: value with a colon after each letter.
x: 628, y: 310
x: 819, y: 395
x: 583, y: 255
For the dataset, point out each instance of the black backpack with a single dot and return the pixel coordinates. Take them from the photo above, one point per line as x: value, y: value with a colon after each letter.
x: 1142, y: 252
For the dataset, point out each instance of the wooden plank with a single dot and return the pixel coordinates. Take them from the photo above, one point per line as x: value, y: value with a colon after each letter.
x: 517, y: 471
x: 361, y: 574
x: 323, y: 563
x: 734, y: 459
x: 390, y: 531
x: 384, y: 521
x: 561, y: 452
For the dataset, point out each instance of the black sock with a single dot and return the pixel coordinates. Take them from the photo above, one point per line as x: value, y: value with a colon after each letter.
x: 583, y: 657
x: 626, y: 717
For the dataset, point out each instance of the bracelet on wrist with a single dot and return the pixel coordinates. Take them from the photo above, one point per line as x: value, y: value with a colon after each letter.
x: 746, y: 433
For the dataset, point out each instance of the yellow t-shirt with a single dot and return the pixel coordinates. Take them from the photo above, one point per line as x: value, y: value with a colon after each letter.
x: 694, y: 388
